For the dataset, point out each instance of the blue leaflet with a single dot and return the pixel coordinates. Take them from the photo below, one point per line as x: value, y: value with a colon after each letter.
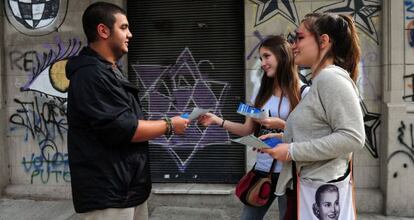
x: 272, y: 142
x: 250, y: 111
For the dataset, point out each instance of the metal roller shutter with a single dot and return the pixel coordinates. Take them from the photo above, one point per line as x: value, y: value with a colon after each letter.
x: 185, y: 54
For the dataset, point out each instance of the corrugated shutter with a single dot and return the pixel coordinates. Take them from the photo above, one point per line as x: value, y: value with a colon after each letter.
x: 185, y: 54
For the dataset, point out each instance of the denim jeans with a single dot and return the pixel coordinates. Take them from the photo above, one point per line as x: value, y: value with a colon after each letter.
x: 258, y: 213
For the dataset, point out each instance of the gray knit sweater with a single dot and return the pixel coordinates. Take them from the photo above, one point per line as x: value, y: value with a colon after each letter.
x: 324, y: 129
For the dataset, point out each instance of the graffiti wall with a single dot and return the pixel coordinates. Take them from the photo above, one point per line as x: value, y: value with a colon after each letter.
x: 399, y: 139
x: 274, y: 17
x: 189, y: 89
x: 3, y: 149
x: 40, y: 37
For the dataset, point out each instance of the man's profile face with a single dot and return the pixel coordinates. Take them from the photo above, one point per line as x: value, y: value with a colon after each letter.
x: 120, y: 35
x: 329, y: 206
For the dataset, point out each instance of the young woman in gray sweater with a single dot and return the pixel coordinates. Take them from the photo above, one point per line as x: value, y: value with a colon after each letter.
x: 327, y: 125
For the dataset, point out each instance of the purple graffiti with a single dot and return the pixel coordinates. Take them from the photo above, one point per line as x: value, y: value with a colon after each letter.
x: 176, y: 89
x: 45, y: 61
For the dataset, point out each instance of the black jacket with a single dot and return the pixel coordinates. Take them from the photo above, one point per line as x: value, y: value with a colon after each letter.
x: 107, y: 169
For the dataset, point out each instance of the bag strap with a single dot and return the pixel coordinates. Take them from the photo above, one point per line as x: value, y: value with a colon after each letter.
x: 294, y: 215
x: 302, y: 88
x: 272, y: 168
x: 294, y: 176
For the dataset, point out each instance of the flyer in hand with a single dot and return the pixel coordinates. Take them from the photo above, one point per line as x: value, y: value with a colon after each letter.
x: 195, y: 113
x: 252, y: 112
x: 252, y: 141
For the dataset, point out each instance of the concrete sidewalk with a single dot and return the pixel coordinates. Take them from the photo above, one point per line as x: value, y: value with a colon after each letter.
x: 22, y: 209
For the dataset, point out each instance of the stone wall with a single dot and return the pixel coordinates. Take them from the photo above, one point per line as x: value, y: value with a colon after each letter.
x: 397, y: 153
x: 4, y: 175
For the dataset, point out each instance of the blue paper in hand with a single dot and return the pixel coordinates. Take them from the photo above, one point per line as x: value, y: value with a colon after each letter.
x: 243, y: 108
x: 250, y: 111
x: 272, y: 142
x: 185, y: 115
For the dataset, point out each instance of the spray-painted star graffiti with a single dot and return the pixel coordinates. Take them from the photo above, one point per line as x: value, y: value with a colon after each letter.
x: 177, y: 89
x: 266, y: 9
x: 371, y: 123
x: 361, y: 10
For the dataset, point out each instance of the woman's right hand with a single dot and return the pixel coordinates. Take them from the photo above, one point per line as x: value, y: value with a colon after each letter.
x: 209, y: 119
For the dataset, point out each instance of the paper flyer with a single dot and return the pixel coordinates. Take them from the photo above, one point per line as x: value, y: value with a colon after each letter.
x: 252, y: 112
x: 195, y: 113
x: 251, y: 141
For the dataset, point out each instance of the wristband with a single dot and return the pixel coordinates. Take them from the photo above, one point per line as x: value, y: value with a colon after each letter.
x: 170, y: 128
x: 222, y: 123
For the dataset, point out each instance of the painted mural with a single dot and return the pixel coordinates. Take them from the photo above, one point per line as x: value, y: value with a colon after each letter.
x: 36, y: 17
x: 178, y: 89
x: 43, y: 118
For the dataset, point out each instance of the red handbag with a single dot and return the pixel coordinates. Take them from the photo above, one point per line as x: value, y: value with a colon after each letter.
x: 254, y: 189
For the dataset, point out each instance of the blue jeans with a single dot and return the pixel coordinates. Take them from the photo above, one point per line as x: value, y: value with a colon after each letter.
x: 258, y: 213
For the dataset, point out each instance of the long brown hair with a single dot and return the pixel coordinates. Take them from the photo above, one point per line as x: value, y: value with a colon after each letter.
x: 345, y: 49
x: 286, y: 76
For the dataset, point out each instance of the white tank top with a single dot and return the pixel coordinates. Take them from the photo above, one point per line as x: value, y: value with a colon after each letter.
x: 264, y: 161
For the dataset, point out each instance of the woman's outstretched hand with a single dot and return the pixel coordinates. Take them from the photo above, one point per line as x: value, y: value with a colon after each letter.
x: 209, y: 119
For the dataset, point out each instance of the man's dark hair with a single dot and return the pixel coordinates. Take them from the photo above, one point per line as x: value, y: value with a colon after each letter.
x: 99, y: 13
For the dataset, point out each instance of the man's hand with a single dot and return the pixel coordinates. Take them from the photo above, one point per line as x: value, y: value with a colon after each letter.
x: 179, y: 124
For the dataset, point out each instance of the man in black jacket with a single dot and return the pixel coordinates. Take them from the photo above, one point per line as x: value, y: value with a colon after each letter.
x: 107, y: 136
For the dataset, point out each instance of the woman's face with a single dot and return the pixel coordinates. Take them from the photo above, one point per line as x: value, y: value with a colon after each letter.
x: 269, y: 61
x: 329, y: 206
x: 305, y: 49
